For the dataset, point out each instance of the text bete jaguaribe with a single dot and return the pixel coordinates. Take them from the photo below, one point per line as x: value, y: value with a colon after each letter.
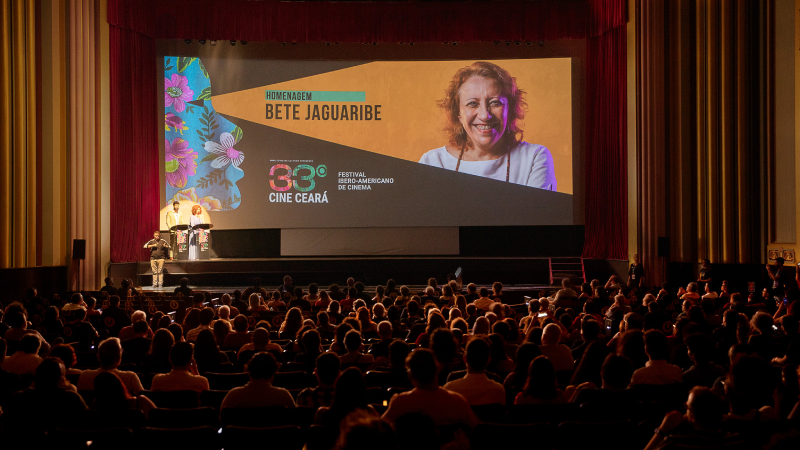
x: 295, y: 111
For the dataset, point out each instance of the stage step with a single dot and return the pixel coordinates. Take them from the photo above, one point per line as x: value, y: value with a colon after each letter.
x: 571, y: 268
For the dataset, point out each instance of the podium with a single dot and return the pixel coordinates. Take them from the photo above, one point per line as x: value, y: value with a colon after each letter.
x: 181, y: 244
x: 203, y: 234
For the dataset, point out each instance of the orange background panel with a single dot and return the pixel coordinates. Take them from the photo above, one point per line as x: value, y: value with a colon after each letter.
x: 411, y: 122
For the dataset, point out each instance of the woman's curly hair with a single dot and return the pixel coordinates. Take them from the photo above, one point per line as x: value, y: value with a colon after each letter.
x: 457, y: 136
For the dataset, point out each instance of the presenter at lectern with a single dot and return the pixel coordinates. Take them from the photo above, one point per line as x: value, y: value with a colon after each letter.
x: 159, y: 250
x: 194, y: 244
x: 174, y: 218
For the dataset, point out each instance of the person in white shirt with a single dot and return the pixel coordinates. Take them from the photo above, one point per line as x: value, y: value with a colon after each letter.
x: 657, y: 371
x: 109, y: 353
x: 75, y: 302
x: 710, y: 294
x: 476, y: 387
x: 484, y: 303
x: 482, y: 106
x: 183, y: 376
x: 174, y: 218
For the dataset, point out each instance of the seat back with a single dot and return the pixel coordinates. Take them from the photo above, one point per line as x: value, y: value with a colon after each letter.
x: 288, y: 437
x: 571, y: 435
x: 256, y: 417
x: 491, y: 436
x: 226, y: 381
x: 173, y: 399
x: 492, y: 413
x: 201, y: 437
x: 321, y: 438
x: 183, y: 418
x: 104, y: 438
x: 542, y: 413
x: 212, y: 398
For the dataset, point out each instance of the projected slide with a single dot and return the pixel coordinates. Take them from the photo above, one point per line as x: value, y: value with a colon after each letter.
x: 296, y: 144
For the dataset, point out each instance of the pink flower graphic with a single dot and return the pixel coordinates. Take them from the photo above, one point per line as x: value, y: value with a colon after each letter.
x: 173, y: 121
x: 176, y: 92
x: 227, y: 154
x: 180, y: 162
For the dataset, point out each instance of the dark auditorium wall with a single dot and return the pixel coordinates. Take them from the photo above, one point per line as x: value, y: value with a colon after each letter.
x: 705, y: 129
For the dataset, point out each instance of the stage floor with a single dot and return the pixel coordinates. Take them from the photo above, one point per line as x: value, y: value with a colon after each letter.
x: 372, y: 271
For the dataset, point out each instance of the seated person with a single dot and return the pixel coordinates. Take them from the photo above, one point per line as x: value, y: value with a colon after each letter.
x: 559, y: 354
x: 135, y: 349
x: 656, y: 371
x: 25, y: 360
x: 240, y: 336
x: 354, y: 345
x: 443, y: 406
x: 184, y: 374
x: 327, y: 370
x: 25, y: 412
x: 311, y: 344
x: 476, y: 387
x: 700, y: 427
x: 616, y: 375
x: 540, y: 388
x: 261, y: 343
x: 111, y: 396
x: 259, y: 391
x: 109, y: 353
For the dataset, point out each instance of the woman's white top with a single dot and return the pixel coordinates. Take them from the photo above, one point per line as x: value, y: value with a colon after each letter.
x: 531, y: 165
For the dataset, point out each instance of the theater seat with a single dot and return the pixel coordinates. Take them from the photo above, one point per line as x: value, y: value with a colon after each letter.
x: 212, y: 398
x: 621, y: 435
x: 226, y: 381
x: 243, y: 438
x: 293, y: 380
x: 195, y: 438
x: 173, y: 399
x: 492, y: 413
x: 183, y: 418
x: 492, y: 436
x: 554, y: 414
x: 256, y: 417
x: 104, y: 439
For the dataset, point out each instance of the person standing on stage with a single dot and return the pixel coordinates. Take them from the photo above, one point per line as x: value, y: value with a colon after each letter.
x: 159, y: 250
x: 194, y: 241
x: 174, y: 218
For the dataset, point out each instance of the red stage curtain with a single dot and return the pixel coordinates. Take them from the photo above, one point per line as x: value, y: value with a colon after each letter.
x: 135, y: 24
x: 134, y: 144
x: 358, y: 22
x: 606, y: 147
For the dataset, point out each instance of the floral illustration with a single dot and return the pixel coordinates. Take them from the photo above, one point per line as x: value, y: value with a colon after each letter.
x: 180, y: 161
x: 177, y: 92
x: 206, y: 176
x: 173, y: 121
x: 208, y: 202
x: 227, y: 154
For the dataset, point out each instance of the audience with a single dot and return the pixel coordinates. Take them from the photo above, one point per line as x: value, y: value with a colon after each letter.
x: 736, y: 359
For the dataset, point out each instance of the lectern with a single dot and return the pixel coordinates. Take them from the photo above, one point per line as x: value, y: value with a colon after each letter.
x: 181, y: 246
x: 203, y: 232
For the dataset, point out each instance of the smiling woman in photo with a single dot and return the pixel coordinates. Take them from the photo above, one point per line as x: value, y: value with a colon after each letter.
x: 482, y: 105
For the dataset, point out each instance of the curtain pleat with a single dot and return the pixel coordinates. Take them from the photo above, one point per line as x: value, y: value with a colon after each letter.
x: 606, y: 147
x: 84, y: 179
x: 134, y: 143
x: 18, y: 165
